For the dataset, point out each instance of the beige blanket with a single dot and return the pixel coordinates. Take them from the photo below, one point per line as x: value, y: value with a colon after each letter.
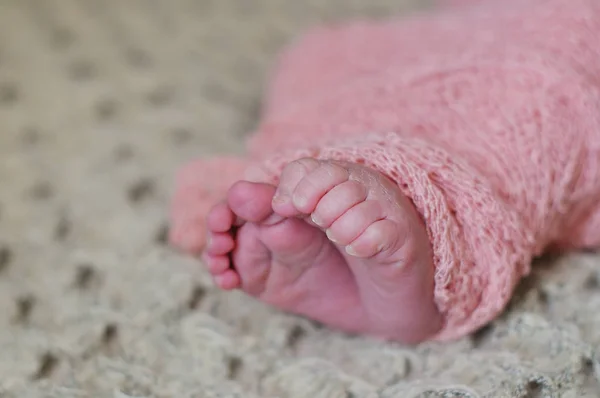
x: 100, y: 101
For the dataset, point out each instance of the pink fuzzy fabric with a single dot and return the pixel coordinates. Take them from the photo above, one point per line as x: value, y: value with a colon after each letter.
x: 485, y: 113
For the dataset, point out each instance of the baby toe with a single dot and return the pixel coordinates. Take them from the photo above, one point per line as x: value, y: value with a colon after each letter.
x: 220, y: 218
x: 251, y: 201
x: 216, y: 264
x: 338, y: 201
x: 219, y: 243
x: 316, y: 184
x: 354, y: 222
x: 228, y: 280
x: 380, y: 236
x: 291, y: 175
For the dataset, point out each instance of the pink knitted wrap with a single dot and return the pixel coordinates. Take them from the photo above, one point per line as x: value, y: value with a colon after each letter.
x: 486, y: 115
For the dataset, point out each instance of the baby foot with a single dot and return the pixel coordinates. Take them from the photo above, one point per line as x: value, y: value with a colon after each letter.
x: 335, y: 242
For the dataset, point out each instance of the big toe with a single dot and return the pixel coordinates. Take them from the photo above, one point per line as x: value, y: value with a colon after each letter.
x: 251, y: 201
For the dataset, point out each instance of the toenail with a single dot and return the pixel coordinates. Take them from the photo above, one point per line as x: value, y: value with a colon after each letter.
x: 278, y: 198
x: 299, y: 200
x: 330, y: 236
x: 316, y: 219
x: 351, y: 251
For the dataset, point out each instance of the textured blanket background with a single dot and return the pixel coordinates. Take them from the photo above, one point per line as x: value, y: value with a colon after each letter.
x: 100, y: 102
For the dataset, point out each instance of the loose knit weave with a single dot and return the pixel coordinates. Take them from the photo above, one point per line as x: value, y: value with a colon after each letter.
x: 486, y: 114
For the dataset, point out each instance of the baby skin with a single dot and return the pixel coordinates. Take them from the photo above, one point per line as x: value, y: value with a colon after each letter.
x: 336, y: 242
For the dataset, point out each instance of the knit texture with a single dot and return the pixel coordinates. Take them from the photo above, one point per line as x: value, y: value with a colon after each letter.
x: 485, y: 114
